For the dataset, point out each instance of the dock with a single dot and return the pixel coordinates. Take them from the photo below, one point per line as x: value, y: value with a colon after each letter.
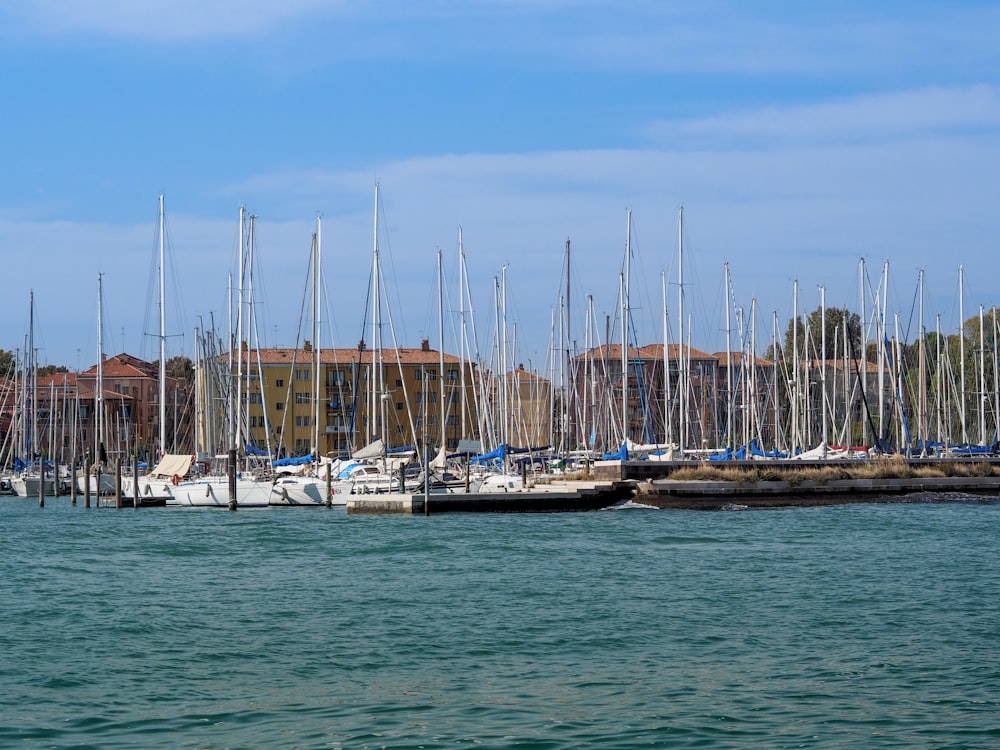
x: 715, y: 495
x: 555, y: 497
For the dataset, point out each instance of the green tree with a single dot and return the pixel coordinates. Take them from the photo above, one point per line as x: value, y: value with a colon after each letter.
x: 835, y: 319
x: 7, y: 364
x: 181, y: 368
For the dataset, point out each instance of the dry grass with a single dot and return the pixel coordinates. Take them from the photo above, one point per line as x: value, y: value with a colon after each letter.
x: 886, y: 467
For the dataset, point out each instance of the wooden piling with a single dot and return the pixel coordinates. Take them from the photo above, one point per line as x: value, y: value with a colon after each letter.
x: 135, y: 480
x: 232, y: 479
x: 86, y: 489
x: 118, y: 482
x: 72, y: 485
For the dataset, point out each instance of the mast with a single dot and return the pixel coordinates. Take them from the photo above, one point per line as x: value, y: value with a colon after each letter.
x: 32, y: 373
x: 729, y: 362
x: 666, y: 362
x: 864, y: 350
x: 922, y: 369
x: 317, y: 333
x: 163, y: 343
x: 795, y: 366
x: 442, y: 381
x: 982, y: 378
x: 99, y: 393
x: 961, y: 356
x: 570, y: 431
x: 682, y: 375
x: 625, y: 323
x: 822, y: 372
x: 462, y: 341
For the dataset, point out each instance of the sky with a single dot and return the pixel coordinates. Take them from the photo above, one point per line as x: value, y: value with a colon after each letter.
x: 799, y: 138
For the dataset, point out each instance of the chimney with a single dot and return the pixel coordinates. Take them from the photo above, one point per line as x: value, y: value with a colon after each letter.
x: 425, y: 345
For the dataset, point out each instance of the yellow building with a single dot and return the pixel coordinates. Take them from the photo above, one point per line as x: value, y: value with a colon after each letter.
x: 403, y: 397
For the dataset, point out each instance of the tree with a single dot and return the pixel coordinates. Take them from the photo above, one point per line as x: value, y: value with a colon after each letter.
x: 181, y: 368
x: 51, y: 370
x: 835, y: 318
x: 7, y: 363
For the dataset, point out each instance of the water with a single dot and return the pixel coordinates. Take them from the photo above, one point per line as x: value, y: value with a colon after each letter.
x: 848, y: 626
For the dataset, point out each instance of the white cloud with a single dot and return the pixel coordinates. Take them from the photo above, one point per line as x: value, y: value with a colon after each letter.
x: 867, y: 118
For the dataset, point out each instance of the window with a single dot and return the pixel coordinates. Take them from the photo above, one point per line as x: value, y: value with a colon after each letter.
x: 334, y: 403
x: 335, y: 377
x: 453, y: 421
x: 420, y: 397
x: 280, y: 406
x: 399, y: 406
x: 302, y: 398
x: 302, y: 374
x: 432, y: 374
x: 432, y: 396
x: 279, y: 383
x: 399, y: 382
x: 452, y: 374
x: 417, y: 375
x: 255, y: 398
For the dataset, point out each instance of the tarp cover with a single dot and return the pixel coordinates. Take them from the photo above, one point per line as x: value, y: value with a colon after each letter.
x: 172, y: 464
x: 375, y: 449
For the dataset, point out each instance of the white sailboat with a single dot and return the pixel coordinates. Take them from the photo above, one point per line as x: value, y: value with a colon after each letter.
x: 297, y: 490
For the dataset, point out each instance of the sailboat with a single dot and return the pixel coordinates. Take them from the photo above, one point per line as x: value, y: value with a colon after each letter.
x: 180, y: 479
x: 31, y: 478
x: 314, y: 488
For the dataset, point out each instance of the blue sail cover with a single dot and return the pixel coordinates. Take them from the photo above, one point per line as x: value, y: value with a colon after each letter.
x: 620, y: 455
x: 294, y: 461
x: 756, y: 451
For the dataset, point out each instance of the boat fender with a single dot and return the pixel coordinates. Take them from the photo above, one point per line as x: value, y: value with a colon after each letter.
x: 175, y: 480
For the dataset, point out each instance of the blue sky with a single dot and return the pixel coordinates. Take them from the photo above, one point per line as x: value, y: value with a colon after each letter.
x: 798, y: 137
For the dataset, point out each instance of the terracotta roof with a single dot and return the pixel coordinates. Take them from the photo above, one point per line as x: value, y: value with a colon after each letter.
x: 649, y: 351
x: 523, y: 376
x: 125, y: 366
x: 737, y: 359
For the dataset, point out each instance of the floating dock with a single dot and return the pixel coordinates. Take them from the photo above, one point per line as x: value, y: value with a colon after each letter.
x: 713, y: 495
x: 557, y: 497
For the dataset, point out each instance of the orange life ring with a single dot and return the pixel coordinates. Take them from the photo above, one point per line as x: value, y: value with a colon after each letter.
x: 175, y: 480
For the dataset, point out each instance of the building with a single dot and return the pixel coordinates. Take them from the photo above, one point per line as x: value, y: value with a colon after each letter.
x: 65, y: 417
x: 405, y: 396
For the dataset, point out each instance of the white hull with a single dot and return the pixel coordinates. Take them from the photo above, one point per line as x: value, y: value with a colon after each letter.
x: 304, y: 491
x: 27, y: 486
x: 107, y: 484
x: 207, y: 492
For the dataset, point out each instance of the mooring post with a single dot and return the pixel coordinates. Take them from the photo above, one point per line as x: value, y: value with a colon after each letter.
x: 232, y: 479
x: 41, y: 482
x: 135, y: 480
x: 329, y: 487
x: 118, y: 482
x: 427, y: 481
x: 86, y: 488
x: 72, y: 485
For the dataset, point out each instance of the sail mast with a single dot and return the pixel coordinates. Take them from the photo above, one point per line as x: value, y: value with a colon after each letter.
x: 99, y: 393
x: 163, y: 345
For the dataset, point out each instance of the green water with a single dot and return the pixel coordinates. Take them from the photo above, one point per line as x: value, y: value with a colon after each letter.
x: 851, y: 626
